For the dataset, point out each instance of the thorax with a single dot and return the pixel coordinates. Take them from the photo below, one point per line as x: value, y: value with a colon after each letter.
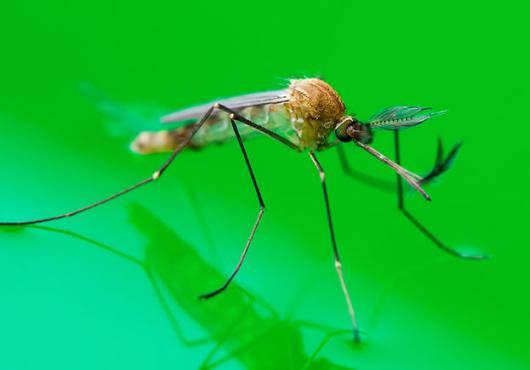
x: 314, y: 110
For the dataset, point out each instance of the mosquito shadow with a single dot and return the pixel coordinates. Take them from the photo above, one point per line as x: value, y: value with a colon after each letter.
x: 254, y: 339
x: 239, y: 327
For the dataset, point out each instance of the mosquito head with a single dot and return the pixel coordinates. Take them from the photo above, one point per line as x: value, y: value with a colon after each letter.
x: 349, y: 129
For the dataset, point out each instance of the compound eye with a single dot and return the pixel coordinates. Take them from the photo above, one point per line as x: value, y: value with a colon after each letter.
x: 341, y: 130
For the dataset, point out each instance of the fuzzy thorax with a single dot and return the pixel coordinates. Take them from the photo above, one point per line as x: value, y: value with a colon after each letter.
x: 315, y: 109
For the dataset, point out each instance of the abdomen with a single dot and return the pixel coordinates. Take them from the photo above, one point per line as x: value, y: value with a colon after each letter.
x: 218, y: 130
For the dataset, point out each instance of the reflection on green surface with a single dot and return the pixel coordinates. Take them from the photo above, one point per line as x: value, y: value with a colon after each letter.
x: 258, y: 340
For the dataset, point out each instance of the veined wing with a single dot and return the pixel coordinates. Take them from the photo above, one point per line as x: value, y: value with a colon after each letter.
x: 237, y: 103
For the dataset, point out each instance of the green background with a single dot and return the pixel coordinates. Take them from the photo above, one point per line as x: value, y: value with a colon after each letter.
x: 117, y: 287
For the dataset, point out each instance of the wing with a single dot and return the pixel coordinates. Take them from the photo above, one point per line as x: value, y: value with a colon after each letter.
x: 237, y: 103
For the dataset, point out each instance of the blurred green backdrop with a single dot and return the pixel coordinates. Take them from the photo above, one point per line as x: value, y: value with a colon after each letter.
x: 117, y: 287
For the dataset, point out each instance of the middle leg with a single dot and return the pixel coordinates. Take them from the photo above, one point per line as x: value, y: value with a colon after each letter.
x: 258, y: 219
x: 338, y: 265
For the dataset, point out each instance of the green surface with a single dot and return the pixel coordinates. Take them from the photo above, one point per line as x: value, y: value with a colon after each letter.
x: 117, y: 288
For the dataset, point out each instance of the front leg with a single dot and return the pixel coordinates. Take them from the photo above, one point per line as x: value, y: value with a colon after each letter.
x: 423, y: 229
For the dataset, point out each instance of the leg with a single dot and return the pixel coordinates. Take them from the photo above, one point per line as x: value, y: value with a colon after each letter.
x: 441, y: 165
x: 338, y: 265
x: 423, y: 229
x: 258, y: 219
x: 157, y: 174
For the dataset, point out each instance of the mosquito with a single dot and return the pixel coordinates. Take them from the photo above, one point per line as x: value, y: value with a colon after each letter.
x: 308, y: 116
